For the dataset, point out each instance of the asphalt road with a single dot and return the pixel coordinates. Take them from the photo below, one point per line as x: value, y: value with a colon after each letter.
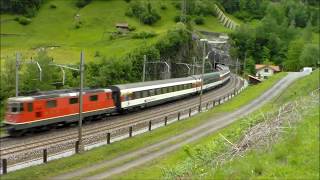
x: 151, y: 152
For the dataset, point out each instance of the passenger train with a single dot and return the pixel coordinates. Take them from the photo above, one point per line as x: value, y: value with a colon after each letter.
x: 49, y: 109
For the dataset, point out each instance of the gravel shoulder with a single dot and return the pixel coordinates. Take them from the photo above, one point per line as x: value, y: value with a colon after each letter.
x: 151, y: 152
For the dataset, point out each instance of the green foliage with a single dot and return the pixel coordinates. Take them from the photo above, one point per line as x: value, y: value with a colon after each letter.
x: 310, y: 55
x: 199, y: 20
x: 127, y: 1
x: 30, y: 81
x: 26, y: 7
x: 53, y: 6
x: 24, y: 20
x: 163, y: 7
x: 294, y: 52
x: 250, y: 66
x: 200, y: 7
x: 82, y: 3
x: 143, y: 35
x: 144, y: 12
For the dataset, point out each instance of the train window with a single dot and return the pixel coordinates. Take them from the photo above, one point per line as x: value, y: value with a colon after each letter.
x: 158, y: 91
x: 145, y: 93
x: 15, y: 107
x: 51, y: 104
x: 176, y: 88
x: 137, y: 95
x: 181, y: 87
x: 164, y: 90
x: 30, y: 107
x: 185, y: 86
x: 94, y: 98
x: 171, y: 89
x: 151, y: 92
x: 73, y: 100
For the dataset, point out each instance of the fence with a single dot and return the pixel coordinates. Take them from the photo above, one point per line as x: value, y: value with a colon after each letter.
x: 68, y: 148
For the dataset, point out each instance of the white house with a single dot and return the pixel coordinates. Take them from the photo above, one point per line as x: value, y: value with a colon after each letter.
x: 263, y: 71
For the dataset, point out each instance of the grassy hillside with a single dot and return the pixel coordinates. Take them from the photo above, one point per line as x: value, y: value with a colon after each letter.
x: 56, y: 27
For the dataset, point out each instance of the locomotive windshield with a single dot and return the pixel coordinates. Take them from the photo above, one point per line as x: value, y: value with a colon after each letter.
x: 14, y: 107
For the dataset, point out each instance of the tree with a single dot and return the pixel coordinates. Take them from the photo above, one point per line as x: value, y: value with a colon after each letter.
x: 250, y: 66
x: 310, y: 56
x: 294, y: 51
x: 50, y: 74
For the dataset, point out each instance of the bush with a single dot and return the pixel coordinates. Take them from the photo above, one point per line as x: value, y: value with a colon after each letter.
x: 97, y: 54
x: 178, y: 17
x: 53, y: 6
x: 163, y: 7
x: 143, y: 35
x: 127, y: 1
x: 132, y: 28
x: 78, y: 24
x: 199, y: 20
x: 24, y: 21
x: 150, y: 18
x: 82, y: 3
x: 145, y: 13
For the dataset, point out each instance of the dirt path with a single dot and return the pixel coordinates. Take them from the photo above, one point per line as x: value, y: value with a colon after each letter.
x: 148, y: 153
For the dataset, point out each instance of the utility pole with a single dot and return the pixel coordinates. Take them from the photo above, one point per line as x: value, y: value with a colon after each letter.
x: 17, y: 73
x: 202, y: 74
x: 80, y: 146
x: 144, y: 68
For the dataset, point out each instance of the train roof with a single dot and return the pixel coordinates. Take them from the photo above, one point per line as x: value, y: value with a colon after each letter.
x: 152, y: 83
x: 55, y: 93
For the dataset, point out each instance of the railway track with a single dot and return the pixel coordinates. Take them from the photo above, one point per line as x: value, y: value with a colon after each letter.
x: 13, y: 145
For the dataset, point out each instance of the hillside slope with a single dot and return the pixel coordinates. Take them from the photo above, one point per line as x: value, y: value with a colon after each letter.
x: 55, y: 28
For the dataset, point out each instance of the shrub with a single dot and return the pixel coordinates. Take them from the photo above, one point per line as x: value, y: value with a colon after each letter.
x: 178, y: 17
x: 145, y: 13
x: 163, y: 7
x: 97, y: 54
x: 127, y: 1
x: 53, y: 6
x: 132, y: 28
x: 82, y: 3
x: 78, y: 24
x: 150, y: 18
x: 143, y: 35
x: 16, y: 19
x: 199, y: 20
x: 24, y: 21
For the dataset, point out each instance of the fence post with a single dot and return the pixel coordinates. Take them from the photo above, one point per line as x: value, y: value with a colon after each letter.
x: 178, y: 116
x: 207, y: 105
x: 45, y: 156
x: 77, y: 147
x: 108, y: 138
x: 130, y: 131
x: 4, y: 166
x: 189, y: 112
x: 199, y: 108
x: 150, y: 125
x: 165, y: 120
x: 213, y: 103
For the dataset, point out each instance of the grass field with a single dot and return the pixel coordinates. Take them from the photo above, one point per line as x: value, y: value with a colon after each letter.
x: 116, y: 149
x: 56, y: 27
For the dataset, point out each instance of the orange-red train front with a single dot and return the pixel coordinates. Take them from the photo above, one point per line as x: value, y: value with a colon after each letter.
x: 54, y: 108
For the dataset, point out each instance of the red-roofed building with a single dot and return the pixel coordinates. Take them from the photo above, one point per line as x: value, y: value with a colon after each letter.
x: 263, y: 71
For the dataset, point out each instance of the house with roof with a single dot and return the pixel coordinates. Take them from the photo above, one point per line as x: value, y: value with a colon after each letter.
x: 263, y: 71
